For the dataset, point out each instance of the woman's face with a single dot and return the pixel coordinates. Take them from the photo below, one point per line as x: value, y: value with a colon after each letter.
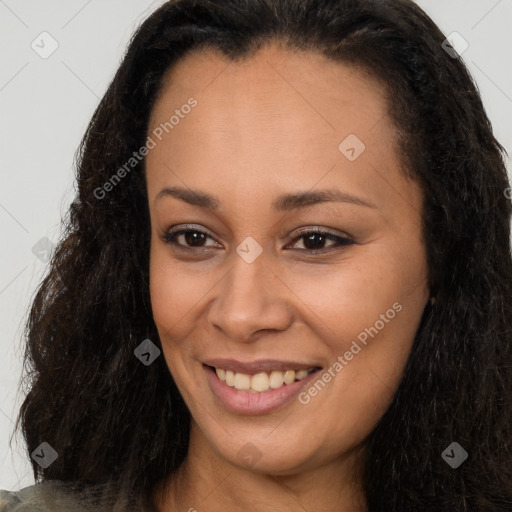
x: 254, y: 156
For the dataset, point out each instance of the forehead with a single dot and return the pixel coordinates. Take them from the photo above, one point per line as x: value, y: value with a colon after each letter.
x: 278, y: 118
x: 274, y: 73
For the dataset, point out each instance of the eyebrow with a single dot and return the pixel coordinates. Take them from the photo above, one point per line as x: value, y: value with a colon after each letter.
x: 283, y: 203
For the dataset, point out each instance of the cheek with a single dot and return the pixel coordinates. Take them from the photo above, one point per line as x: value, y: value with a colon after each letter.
x: 367, y: 311
x: 173, y: 297
x: 343, y: 300
x: 372, y: 310
x: 174, y: 291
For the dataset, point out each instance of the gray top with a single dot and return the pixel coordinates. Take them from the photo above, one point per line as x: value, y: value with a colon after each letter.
x: 58, y: 496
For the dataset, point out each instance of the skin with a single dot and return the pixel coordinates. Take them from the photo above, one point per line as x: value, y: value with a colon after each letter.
x: 268, y: 125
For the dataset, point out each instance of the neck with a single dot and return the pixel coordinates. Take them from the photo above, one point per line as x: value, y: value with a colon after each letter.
x: 206, y: 481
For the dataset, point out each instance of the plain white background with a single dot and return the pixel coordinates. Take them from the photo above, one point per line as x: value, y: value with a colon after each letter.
x: 45, y: 106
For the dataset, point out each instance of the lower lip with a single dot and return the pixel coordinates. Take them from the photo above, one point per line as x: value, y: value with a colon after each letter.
x: 254, y: 403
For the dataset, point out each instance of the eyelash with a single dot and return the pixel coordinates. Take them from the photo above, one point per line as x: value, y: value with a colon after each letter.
x: 169, y: 237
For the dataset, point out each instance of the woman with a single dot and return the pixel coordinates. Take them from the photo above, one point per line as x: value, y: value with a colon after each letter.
x: 286, y: 280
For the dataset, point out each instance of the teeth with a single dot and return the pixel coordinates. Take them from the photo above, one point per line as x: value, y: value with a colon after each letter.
x: 300, y: 374
x: 242, y: 381
x: 289, y: 376
x: 230, y: 378
x: 260, y: 382
x: 276, y: 380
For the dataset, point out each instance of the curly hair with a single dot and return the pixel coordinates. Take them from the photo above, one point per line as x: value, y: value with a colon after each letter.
x: 112, y: 419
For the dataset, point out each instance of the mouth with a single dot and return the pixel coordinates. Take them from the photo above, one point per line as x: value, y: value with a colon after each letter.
x: 261, y: 382
x: 260, y: 391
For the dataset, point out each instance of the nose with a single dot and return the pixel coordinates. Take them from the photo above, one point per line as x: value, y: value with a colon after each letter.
x: 250, y: 299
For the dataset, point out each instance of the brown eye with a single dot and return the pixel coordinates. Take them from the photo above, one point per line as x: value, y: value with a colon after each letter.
x: 187, y: 238
x: 193, y: 238
x: 315, y: 240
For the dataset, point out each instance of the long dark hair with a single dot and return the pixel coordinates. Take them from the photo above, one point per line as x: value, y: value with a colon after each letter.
x: 112, y: 419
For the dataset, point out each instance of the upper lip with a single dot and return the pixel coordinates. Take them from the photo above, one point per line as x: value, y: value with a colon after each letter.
x: 259, y: 365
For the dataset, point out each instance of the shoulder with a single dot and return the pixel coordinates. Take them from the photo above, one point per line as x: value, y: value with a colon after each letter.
x: 59, y: 496
x: 46, y: 496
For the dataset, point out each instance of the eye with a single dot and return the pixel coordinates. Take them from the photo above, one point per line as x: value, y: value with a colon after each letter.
x: 314, y: 240
x: 190, y: 238
x: 193, y: 237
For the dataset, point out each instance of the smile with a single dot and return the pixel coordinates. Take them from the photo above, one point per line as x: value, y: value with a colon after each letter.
x: 259, y: 393
x: 263, y: 381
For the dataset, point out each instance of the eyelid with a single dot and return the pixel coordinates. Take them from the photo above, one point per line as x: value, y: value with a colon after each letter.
x: 323, y: 231
x: 188, y: 227
x: 341, y: 239
x: 176, y: 230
